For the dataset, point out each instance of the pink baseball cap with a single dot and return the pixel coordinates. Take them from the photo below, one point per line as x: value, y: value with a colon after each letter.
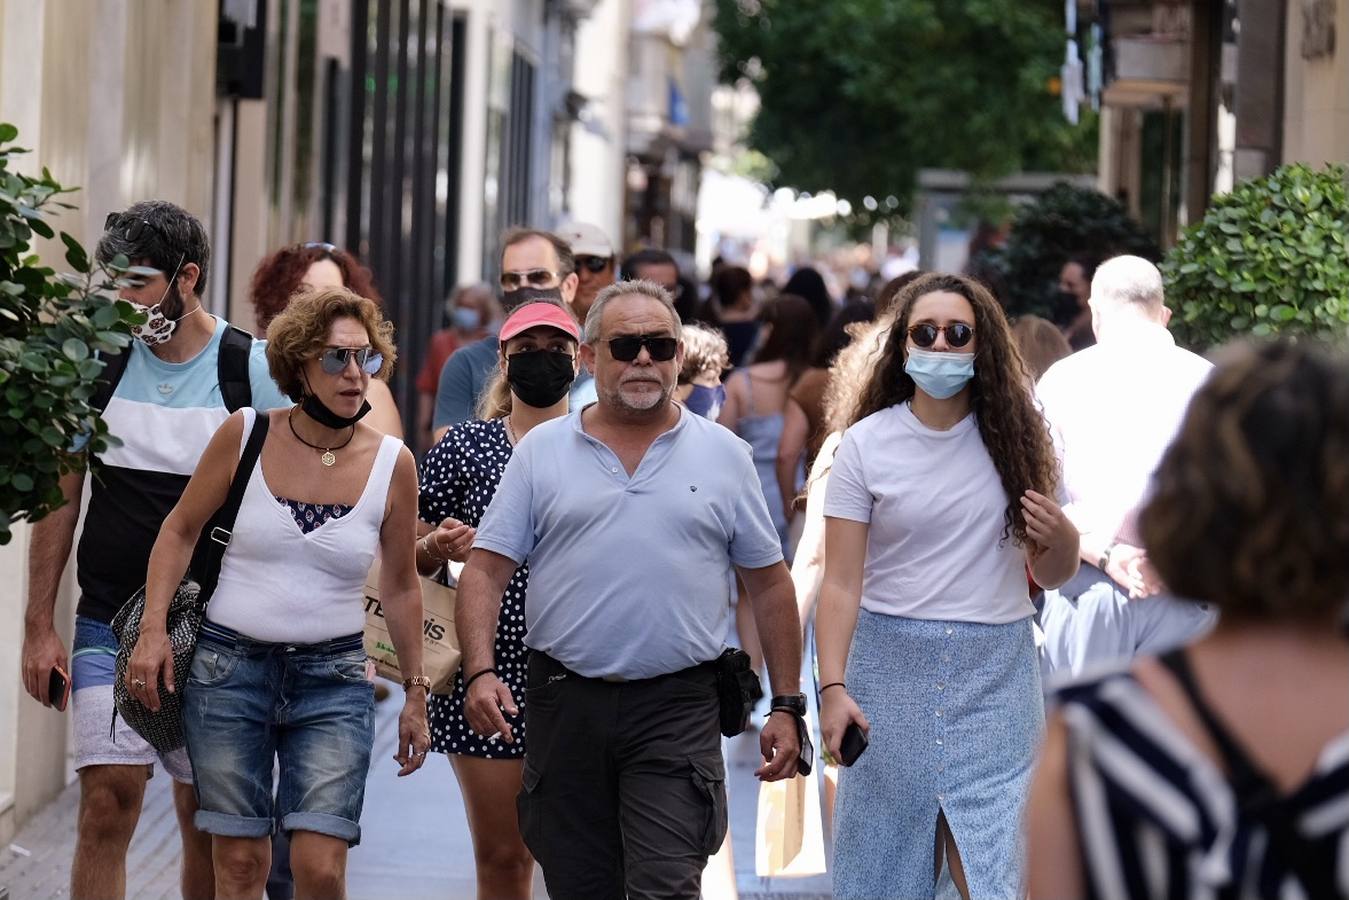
x: 532, y: 315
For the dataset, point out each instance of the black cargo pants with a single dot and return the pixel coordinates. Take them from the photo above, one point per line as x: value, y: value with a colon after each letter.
x: 624, y: 784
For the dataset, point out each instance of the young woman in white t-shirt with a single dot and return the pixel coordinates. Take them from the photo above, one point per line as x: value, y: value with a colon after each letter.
x: 938, y: 499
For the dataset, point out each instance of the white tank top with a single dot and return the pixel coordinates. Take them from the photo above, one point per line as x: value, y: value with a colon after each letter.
x: 281, y: 585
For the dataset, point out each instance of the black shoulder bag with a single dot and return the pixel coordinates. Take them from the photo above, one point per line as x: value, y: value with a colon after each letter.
x: 163, y: 730
x: 236, y: 387
x: 1256, y: 794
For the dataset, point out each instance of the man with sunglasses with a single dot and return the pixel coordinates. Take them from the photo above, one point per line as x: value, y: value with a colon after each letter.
x: 163, y: 398
x: 632, y: 514
x: 594, y: 264
x: 535, y: 265
x: 1113, y: 409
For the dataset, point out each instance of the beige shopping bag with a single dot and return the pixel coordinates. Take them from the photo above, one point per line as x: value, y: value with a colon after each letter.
x: 440, y: 642
x: 789, y: 839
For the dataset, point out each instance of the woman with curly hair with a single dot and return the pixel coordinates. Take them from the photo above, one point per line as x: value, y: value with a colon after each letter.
x: 310, y: 267
x: 1221, y: 769
x: 938, y: 497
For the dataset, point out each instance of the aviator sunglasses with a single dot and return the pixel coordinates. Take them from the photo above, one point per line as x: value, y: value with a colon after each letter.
x: 625, y: 349
x: 924, y: 334
x: 536, y: 278
x: 334, y: 359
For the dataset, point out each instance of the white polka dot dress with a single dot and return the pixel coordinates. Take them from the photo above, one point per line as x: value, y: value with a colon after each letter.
x: 459, y: 478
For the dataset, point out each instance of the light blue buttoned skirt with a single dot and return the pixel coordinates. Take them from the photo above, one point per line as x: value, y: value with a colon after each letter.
x: 956, y: 718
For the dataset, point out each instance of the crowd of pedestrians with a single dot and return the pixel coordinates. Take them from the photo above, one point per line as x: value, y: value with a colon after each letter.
x: 983, y: 520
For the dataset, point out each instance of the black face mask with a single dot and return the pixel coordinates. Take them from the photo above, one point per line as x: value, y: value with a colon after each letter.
x: 314, y: 408
x: 1064, y: 308
x: 512, y: 300
x: 540, y: 378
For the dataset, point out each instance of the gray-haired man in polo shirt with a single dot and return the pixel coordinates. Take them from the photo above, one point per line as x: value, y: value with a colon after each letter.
x: 631, y: 514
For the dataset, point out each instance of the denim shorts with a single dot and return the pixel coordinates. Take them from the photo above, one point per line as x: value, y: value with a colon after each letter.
x: 249, y: 704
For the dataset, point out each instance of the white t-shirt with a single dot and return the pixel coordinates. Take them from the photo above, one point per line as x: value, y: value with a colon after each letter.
x: 935, y: 505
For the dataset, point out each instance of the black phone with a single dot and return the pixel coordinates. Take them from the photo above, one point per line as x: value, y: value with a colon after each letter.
x: 58, y: 688
x: 853, y: 743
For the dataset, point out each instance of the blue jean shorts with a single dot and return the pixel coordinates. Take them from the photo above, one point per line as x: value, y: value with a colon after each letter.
x: 249, y: 704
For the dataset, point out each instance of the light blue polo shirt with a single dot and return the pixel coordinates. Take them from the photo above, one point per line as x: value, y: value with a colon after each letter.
x: 629, y: 576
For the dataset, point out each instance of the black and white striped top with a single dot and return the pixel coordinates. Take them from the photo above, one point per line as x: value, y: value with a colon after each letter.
x: 1157, y: 818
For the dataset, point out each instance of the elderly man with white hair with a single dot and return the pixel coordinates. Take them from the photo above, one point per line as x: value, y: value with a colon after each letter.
x: 1113, y: 409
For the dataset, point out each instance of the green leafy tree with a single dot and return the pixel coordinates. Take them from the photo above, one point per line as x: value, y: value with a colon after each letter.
x: 1061, y: 223
x: 1271, y: 257
x: 50, y: 329
x: 858, y: 95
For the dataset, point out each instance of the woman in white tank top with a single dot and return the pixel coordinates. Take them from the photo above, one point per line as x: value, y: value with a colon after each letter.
x: 279, y: 670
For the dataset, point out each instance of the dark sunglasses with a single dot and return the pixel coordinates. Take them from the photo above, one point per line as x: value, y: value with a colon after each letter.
x: 538, y: 278
x: 129, y: 228
x: 334, y: 359
x: 924, y: 334
x: 625, y: 349
x: 592, y: 264
x: 322, y: 245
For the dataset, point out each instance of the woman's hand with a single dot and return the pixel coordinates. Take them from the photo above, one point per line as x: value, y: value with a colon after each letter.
x: 450, y: 540
x: 152, y: 656
x: 414, y: 737
x: 838, y: 710
x: 1055, y: 541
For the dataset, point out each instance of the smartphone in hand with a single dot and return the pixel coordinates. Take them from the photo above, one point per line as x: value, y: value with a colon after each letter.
x: 58, y: 688
x: 853, y: 743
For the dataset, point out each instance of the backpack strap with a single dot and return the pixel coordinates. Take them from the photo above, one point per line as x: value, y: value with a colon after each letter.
x: 1256, y: 794
x: 236, y: 387
x: 106, y: 384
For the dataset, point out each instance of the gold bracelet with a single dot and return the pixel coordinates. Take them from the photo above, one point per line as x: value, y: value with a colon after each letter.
x: 417, y: 681
x: 426, y: 547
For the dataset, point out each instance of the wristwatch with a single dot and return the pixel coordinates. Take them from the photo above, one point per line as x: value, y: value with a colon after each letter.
x: 1105, y: 555
x: 417, y: 681
x: 792, y: 703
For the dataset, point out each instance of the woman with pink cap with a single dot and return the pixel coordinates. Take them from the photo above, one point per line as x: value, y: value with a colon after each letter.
x: 537, y: 362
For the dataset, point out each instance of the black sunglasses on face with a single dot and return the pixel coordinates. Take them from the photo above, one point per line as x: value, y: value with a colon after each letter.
x: 625, y: 349
x: 334, y: 359
x: 130, y: 229
x: 924, y: 334
x: 592, y: 264
x: 538, y: 278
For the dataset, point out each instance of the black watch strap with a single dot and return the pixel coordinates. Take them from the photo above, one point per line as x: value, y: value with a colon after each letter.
x: 792, y: 703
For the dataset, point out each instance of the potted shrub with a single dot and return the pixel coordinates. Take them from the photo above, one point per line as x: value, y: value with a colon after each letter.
x: 52, y: 328
x: 1061, y: 223
x: 1271, y: 257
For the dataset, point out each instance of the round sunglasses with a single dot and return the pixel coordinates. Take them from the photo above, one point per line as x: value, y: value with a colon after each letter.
x: 625, y: 349
x: 924, y: 334
x: 334, y: 360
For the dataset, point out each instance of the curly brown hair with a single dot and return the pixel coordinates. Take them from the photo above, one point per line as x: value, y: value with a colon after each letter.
x: 277, y: 278
x: 300, y: 333
x: 1250, y: 504
x: 1011, y: 426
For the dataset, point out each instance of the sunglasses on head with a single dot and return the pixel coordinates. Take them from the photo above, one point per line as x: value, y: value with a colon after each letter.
x: 625, y: 349
x: 592, y: 264
x: 924, y: 334
x: 334, y: 359
x: 130, y: 228
x: 538, y: 278
x: 322, y: 245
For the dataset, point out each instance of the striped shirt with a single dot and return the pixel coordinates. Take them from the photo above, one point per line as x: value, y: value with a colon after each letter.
x: 1158, y: 818
x: 164, y: 414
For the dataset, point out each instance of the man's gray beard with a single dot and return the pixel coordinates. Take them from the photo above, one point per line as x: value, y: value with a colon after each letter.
x: 661, y: 398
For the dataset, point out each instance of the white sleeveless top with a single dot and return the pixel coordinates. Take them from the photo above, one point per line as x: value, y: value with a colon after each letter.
x: 281, y: 585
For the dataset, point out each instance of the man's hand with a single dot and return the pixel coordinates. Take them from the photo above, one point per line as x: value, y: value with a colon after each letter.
x: 42, y: 651
x: 1122, y: 559
x: 487, y: 697
x: 781, y: 747
x: 1144, y: 579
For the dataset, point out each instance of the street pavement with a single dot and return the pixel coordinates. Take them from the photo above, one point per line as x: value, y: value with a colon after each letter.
x: 415, y: 843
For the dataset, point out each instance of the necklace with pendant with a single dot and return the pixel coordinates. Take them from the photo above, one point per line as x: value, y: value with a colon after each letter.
x: 510, y: 432
x: 328, y: 458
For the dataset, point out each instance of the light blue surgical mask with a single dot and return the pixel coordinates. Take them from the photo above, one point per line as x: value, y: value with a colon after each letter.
x: 466, y: 318
x: 939, y: 375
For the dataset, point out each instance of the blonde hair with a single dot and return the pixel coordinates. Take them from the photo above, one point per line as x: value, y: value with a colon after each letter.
x: 300, y: 332
x: 495, y: 400
x: 705, y: 351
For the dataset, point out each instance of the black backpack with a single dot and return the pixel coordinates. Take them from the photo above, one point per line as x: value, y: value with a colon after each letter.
x: 231, y: 368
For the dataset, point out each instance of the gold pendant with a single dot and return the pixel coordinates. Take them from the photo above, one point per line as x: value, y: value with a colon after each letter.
x: 328, y: 459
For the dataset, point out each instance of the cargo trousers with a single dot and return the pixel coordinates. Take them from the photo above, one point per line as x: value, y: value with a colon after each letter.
x: 624, y: 791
